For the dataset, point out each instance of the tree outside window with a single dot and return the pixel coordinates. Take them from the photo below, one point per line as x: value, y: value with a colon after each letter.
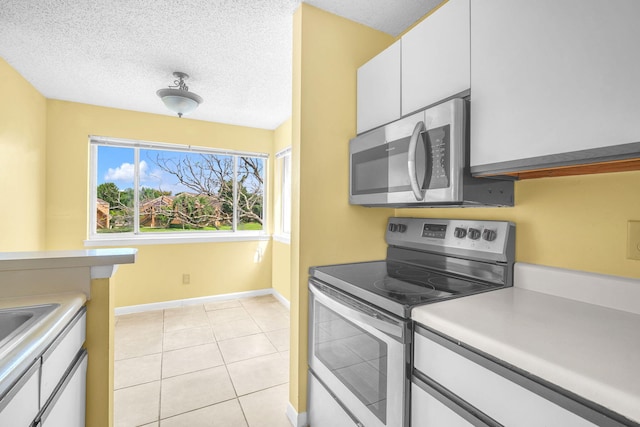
x: 159, y: 190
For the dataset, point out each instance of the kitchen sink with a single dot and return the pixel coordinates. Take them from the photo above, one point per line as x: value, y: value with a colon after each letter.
x: 14, y: 321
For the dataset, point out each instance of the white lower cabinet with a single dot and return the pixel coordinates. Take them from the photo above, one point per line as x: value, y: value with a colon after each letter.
x: 52, y: 392
x: 454, y: 386
x: 19, y: 406
x: 427, y: 410
x: 58, y: 356
x: 66, y: 407
x: 63, y: 377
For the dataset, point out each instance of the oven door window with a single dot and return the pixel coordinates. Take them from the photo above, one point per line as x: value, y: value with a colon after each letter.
x: 355, y: 357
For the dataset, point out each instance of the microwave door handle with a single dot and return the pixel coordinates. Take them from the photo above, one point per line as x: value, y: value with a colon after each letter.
x: 411, y: 163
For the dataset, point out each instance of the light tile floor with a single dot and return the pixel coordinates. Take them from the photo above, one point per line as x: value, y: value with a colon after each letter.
x: 223, y: 364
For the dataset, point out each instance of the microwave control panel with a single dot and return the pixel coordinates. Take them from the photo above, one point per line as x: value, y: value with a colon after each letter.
x: 438, y: 150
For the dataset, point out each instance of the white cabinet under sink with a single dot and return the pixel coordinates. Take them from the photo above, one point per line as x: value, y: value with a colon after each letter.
x: 436, y: 57
x: 19, y: 406
x: 552, y: 82
x: 57, y: 358
x: 63, y: 378
x: 66, y: 406
x: 51, y: 393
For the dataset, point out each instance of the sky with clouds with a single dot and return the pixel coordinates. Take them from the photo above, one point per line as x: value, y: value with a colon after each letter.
x: 116, y: 164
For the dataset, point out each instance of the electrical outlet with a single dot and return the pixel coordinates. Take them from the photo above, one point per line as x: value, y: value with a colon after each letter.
x: 633, y: 240
x: 186, y: 279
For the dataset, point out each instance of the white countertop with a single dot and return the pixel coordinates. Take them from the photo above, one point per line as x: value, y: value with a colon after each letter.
x: 588, y: 349
x: 65, y: 259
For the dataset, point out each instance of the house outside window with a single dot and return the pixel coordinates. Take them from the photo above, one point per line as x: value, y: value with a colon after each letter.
x: 147, y: 191
x: 284, y: 166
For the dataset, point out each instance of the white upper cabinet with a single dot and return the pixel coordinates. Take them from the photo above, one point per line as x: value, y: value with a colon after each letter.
x: 436, y: 57
x: 379, y: 89
x: 551, y: 79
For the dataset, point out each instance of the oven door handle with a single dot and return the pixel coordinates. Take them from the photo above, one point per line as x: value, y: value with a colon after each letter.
x: 411, y: 162
x: 354, y: 310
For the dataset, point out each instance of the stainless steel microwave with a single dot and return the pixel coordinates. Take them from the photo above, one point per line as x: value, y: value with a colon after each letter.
x: 421, y: 160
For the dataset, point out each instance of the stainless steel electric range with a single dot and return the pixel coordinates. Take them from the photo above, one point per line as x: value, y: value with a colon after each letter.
x: 359, y: 313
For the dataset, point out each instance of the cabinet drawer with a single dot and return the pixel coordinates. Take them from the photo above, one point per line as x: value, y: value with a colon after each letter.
x: 19, y: 406
x: 59, y: 355
x: 505, y: 401
x: 66, y: 407
x: 426, y: 410
x: 324, y: 409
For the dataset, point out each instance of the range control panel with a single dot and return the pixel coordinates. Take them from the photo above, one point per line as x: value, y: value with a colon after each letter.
x: 485, y: 239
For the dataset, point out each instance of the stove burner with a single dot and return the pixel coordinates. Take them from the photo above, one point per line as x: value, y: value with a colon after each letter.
x: 410, y: 273
x: 395, y: 286
x: 449, y: 282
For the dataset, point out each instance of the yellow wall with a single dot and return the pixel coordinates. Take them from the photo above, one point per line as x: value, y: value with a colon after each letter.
x: 22, y: 163
x: 577, y: 222
x: 215, y: 268
x: 325, y: 229
x: 281, y: 269
x: 571, y: 222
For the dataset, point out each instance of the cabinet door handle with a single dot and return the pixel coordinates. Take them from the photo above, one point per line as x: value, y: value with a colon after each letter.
x: 411, y: 162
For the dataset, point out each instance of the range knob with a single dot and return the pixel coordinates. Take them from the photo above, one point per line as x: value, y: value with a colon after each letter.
x: 460, y: 232
x: 489, y: 235
x: 397, y: 227
x: 474, y: 233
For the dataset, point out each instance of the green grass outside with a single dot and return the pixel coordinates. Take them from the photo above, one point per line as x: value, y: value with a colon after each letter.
x: 249, y: 226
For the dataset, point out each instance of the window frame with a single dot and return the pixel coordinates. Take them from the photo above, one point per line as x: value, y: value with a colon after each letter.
x: 283, y: 157
x: 136, y: 237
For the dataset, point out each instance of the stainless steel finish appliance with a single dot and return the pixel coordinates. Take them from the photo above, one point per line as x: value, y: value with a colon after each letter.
x: 421, y: 160
x: 359, y: 314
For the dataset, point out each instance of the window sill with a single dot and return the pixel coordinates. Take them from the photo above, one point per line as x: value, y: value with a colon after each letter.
x: 282, y: 238
x: 172, y: 240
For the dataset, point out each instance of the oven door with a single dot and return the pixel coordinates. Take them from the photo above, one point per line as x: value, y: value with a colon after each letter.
x: 360, y: 354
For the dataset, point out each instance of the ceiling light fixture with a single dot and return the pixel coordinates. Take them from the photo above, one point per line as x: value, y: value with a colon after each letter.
x: 178, y: 98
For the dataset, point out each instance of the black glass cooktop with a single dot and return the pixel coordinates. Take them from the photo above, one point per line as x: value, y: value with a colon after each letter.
x: 396, y: 286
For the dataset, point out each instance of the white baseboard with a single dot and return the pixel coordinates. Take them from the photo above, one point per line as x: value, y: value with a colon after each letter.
x: 282, y: 299
x: 130, y: 309
x: 296, y: 419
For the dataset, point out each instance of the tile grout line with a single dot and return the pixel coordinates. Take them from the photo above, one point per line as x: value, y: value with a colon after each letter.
x: 226, y: 368
x: 161, y: 365
x: 225, y: 362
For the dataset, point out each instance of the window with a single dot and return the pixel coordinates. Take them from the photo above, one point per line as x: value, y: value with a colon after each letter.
x: 284, y: 159
x: 152, y: 189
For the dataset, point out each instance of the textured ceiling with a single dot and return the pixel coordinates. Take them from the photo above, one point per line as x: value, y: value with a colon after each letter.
x: 118, y: 53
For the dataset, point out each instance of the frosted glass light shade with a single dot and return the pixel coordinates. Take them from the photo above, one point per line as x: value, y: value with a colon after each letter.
x: 179, y: 101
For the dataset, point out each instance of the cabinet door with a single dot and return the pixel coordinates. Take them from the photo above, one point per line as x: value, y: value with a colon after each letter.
x: 552, y: 77
x: 66, y: 408
x: 379, y: 89
x: 496, y: 396
x: 59, y: 355
x: 426, y: 410
x: 436, y: 57
x: 19, y: 405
